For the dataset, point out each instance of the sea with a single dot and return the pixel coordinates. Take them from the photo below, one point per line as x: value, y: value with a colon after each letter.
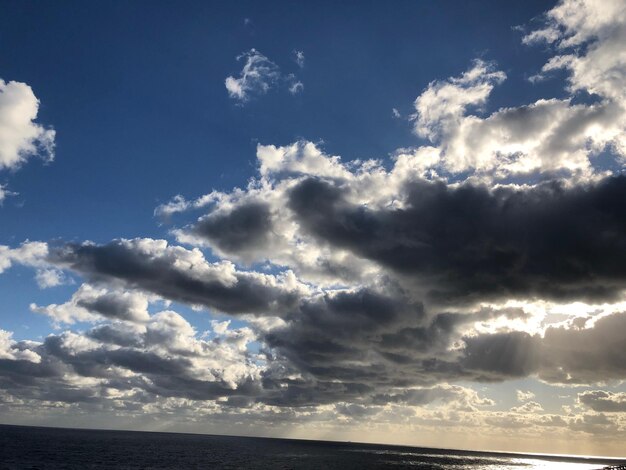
x: 25, y: 447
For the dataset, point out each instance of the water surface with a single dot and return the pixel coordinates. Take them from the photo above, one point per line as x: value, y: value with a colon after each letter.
x: 24, y: 447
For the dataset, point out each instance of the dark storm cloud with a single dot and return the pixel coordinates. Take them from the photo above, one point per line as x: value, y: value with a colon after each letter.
x: 245, y: 228
x: 378, y: 338
x: 362, y: 345
x: 338, y: 364
x: 158, y: 273
x: 472, y: 243
x: 23, y: 372
x: 374, y: 338
x: 405, y: 348
x: 332, y: 333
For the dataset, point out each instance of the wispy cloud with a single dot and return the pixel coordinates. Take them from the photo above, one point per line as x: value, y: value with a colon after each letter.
x: 258, y: 76
x: 298, y: 57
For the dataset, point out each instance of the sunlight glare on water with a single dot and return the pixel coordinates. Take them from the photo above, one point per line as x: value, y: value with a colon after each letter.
x: 547, y: 465
x: 460, y: 462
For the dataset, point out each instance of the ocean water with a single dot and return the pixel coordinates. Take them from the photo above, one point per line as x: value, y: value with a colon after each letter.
x: 53, y: 448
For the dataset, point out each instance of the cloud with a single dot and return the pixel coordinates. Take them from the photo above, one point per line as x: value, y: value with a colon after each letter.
x: 163, y: 357
x: 530, y: 407
x: 90, y: 304
x: 49, y: 277
x: 10, y: 351
x: 469, y: 242
x: 370, y: 289
x: 523, y: 396
x: 180, y: 204
x: 414, y: 319
x: 298, y: 57
x: 562, y: 355
x: 600, y: 26
x: 602, y: 401
x: 463, y: 398
x: 259, y: 75
x: 595, y: 424
x: 176, y: 273
x: 245, y: 228
x: 4, y: 193
x: 443, y: 103
x: 28, y: 253
x: 296, y: 87
x: 20, y: 137
x: 549, y: 136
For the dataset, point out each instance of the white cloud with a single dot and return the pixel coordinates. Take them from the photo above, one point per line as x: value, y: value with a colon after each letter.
x: 92, y: 304
x: 549, y: 136
x: 28, y: 254
x: 8, y: 349
x: 21, y: 137
x: 258, y: 76
x: 530, y: 407
x: 523, y: 396
x: 442, y: 105
x: 180, y: 204
x: 49, y: 277
x: 296, y: 87
x: 298, y: 57
x: 303, y: 158
x: 4, y: 193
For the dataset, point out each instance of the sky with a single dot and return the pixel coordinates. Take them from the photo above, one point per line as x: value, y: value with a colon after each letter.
x: 329, y: 220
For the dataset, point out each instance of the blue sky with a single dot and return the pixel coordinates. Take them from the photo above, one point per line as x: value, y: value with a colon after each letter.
x: 136, y: 93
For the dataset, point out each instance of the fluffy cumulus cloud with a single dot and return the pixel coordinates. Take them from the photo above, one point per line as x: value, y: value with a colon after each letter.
x: 20, y: 136
x: 90, y: 304
x: 549, y: 135
x: 371, y: 291
x: 259, y: 74
x: 32, y: 254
